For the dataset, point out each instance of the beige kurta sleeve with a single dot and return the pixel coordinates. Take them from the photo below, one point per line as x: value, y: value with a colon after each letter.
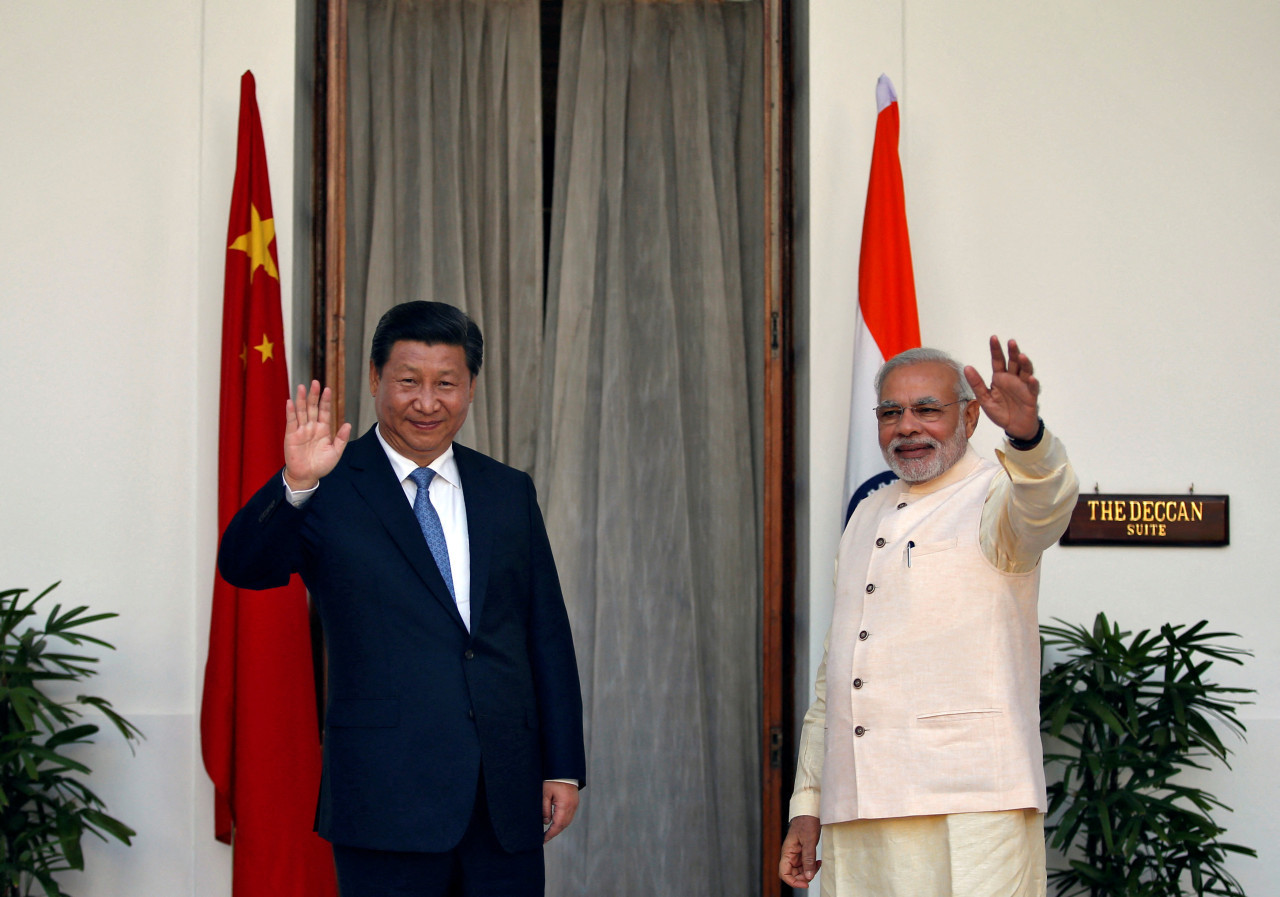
x: 1028, y: 510
x: 807, y: 796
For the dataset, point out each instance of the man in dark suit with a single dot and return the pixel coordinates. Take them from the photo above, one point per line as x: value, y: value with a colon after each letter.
x: 453, y: 736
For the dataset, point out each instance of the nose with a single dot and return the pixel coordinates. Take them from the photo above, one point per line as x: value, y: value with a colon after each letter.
x: 426, y: 399
x: 908, y: 423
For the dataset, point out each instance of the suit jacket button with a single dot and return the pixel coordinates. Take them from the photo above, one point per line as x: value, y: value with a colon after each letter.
x: 468, y: 654
x: 879, y: 543
x: 871, y: 587
x: 862, y: 636
x: 859, y: 731
x: 471, y: 714
x: 857, y: 683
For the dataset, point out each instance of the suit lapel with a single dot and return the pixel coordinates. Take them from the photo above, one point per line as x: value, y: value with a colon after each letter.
x: 375, y: 480
x: 477, y: 494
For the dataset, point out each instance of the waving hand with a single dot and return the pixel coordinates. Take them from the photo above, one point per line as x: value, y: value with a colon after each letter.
x: 311, y: 449
x: 1012, y: 401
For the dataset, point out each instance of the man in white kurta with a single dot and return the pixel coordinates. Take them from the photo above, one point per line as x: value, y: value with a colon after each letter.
x: 920, y: 761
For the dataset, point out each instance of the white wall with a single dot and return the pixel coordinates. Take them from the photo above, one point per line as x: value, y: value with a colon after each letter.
x: 119, y: 124
x: 1099, y: 180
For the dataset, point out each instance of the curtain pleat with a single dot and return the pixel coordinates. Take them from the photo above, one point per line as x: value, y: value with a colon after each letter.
x: 647, y: 461
x: 444, y: 193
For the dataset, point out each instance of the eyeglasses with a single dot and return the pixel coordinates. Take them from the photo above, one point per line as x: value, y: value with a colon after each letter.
x: 925, y: 412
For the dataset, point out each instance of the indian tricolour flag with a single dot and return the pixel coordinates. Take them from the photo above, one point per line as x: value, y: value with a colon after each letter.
x: 886, y: 321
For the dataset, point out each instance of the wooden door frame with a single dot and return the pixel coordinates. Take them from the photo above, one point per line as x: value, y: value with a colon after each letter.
x: 777, y: 648
x: 777, y: 624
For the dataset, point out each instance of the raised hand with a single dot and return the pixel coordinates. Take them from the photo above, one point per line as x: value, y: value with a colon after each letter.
x: 1012, y: 401
x: 311, y: 449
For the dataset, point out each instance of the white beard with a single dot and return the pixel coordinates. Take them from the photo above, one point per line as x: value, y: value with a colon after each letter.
x: 921, y: 470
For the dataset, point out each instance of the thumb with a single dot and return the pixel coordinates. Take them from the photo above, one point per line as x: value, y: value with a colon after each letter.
x: 809, y: 862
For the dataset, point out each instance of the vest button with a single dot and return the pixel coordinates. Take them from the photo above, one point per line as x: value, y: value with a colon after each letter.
x: 879, y: 543
x: 859, y: 731
x: 857, y: 683
x: 902, y: 505
x: 862, y: 636
x: 871, y: 587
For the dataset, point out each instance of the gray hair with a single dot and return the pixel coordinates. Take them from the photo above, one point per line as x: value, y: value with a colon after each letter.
x: 922, y: 355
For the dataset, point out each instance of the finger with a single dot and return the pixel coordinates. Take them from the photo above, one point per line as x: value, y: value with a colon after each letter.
x: 795, y: 881
x: 997, y: 355
x: 313, y: 401
x: 980, y: 391
x: 1025, y: 368
x: 790, y: 871
x: 325, y: 406
x: 290, y: 417
x: 559, y: 823
x: 340, y: 438
x: 295, y: 408
x: 547, y: 808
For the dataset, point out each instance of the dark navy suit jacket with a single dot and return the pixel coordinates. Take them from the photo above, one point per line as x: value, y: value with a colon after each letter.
x: 417, y: 705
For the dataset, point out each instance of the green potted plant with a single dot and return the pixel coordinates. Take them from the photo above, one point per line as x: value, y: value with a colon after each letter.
x: 45, y: 805
x: 1125, y: 714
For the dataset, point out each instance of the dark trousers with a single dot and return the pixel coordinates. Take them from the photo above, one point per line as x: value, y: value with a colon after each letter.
x: 476, y: 867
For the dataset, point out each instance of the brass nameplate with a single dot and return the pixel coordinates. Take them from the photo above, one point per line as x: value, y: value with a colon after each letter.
x: 1148, y: 520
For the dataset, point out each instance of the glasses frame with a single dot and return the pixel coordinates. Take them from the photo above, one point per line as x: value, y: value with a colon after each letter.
x: 903, y: 409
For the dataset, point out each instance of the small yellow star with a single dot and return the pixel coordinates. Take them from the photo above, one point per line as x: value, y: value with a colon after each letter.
x: 244, y: 355
x: 257, y: 243
x: 267, y: 348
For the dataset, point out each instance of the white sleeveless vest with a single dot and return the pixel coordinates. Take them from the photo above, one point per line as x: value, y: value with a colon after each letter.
x: 933, y: 669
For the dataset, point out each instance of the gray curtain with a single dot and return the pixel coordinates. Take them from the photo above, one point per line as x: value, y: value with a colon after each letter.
x: 648, y: 462
x: 445, y: 196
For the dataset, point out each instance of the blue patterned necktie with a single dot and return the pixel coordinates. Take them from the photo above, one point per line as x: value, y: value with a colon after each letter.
x: 429, y: 520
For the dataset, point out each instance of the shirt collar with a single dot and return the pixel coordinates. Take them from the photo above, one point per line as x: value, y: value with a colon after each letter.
x: 968, y: 462
x: 445, y: 466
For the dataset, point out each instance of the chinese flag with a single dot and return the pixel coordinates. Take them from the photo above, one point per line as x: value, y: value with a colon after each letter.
x: 258, y: 727
x: 886, y: 321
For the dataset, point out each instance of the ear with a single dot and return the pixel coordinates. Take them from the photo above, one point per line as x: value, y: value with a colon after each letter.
x: 471, y: 394
x: 373, y: 378
x: 972, y: 411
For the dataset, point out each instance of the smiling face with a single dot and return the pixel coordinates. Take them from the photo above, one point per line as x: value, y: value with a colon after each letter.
x: 919, y: 451
x: 422, y: 397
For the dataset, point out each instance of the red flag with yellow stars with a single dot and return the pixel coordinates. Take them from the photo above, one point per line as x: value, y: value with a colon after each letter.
x: 258, y: 728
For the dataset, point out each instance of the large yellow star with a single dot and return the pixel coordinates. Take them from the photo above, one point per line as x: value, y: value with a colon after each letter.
x: 257, y: 242
x: 267, y: 348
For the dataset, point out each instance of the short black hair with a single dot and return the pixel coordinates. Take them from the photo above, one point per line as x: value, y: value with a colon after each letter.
x: 433, y: 323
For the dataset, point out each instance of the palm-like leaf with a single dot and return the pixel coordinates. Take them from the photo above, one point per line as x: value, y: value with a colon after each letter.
x: 1125, y: 714
x: 45, y: 807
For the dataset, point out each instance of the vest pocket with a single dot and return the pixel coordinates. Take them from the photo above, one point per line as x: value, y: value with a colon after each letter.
x: 923, y: 549
x: 958, y: 752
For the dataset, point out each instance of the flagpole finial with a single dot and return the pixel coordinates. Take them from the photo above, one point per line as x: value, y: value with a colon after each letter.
x: 885, y: 94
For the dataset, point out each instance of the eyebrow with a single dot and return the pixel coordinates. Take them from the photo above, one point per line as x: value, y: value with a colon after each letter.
x: 923, y: 400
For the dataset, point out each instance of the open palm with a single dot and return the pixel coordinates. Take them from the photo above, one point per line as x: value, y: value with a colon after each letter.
x: 311, y: 448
